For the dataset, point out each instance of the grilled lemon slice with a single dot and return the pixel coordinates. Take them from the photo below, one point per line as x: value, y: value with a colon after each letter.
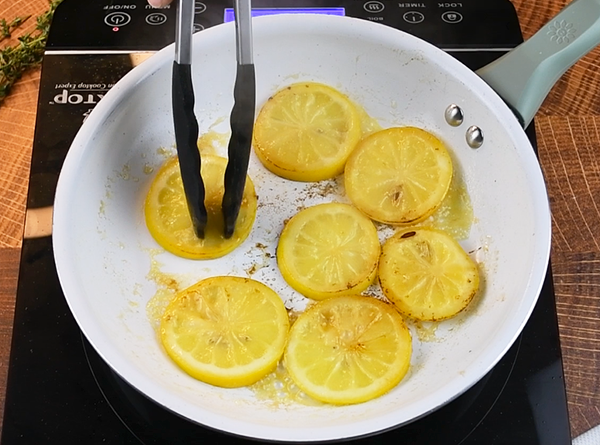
x: 427, y: 274
x: 348, y: 349
x: 328, y: 250
x: 168, y: 218
x: 226, y: 331
x: 398, y: 175
x: 306, y: 132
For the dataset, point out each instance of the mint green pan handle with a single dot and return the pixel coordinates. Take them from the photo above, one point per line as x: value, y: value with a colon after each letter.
x: 524, y: 76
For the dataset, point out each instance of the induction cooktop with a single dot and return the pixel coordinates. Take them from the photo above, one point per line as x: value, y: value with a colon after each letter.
x: 61, y: 391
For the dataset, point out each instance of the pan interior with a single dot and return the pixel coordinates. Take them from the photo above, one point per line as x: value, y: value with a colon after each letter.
x: 108, y: 264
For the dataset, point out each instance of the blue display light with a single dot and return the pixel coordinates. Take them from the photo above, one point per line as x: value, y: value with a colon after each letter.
x: 229, y: 15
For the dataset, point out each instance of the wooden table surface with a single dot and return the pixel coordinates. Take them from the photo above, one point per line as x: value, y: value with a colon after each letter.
x: 568, y: 130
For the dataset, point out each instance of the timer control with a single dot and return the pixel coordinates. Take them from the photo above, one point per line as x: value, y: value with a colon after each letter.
x: 413, y: 17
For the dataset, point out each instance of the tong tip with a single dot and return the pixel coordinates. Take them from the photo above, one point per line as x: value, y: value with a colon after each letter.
x: 230, y: 207
x: 229, y: 228
x: 198, y: 228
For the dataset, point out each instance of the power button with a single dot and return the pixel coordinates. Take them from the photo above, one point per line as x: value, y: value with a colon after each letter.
x: 117, y: 19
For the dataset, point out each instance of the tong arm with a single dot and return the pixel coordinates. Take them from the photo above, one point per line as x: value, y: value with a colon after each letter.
x: 241, y: 119
x: 184, y: 119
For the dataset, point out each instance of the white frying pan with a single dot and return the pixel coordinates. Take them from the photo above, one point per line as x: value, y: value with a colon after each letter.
x: 104, y: 254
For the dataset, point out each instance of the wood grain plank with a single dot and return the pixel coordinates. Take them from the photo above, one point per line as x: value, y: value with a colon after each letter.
x: 9, y: 257
x: 577, y: 288
x: 15, y: 158
x: 570, y: 157
x: 17, y: 122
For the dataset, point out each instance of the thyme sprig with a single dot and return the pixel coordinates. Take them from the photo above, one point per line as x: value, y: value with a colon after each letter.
x: 6, y: 28
x: 27, y: 53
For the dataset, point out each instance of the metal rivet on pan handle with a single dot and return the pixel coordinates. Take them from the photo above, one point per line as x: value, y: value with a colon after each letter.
x: 454, y: 115
x: 474, y: 136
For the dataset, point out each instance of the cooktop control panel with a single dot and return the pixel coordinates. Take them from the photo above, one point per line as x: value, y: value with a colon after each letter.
x: 135, y: 25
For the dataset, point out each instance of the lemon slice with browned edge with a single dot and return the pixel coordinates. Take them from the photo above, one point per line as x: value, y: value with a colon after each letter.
x: 328, y: 250
x: 169, y: 221
x: 398, y: 175
x: 348, y: 349
x: 226, y: 331
x: 427, y: 274
x: 306, y: 132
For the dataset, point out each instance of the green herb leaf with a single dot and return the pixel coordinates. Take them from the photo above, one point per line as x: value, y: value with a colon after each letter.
x: 7, y: 28
x: 27, y: 53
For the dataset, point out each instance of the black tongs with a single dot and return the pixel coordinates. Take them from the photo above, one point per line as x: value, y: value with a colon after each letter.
x: 241, y: 119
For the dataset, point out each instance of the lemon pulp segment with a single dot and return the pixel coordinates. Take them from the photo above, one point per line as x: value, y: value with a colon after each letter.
x: 328, y: 250
x: 427, y: 274
x: 168, y: 218
x: 399, y: 175
x: 306, y: 132
x: 348, y: 349
x: 226, y: 331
